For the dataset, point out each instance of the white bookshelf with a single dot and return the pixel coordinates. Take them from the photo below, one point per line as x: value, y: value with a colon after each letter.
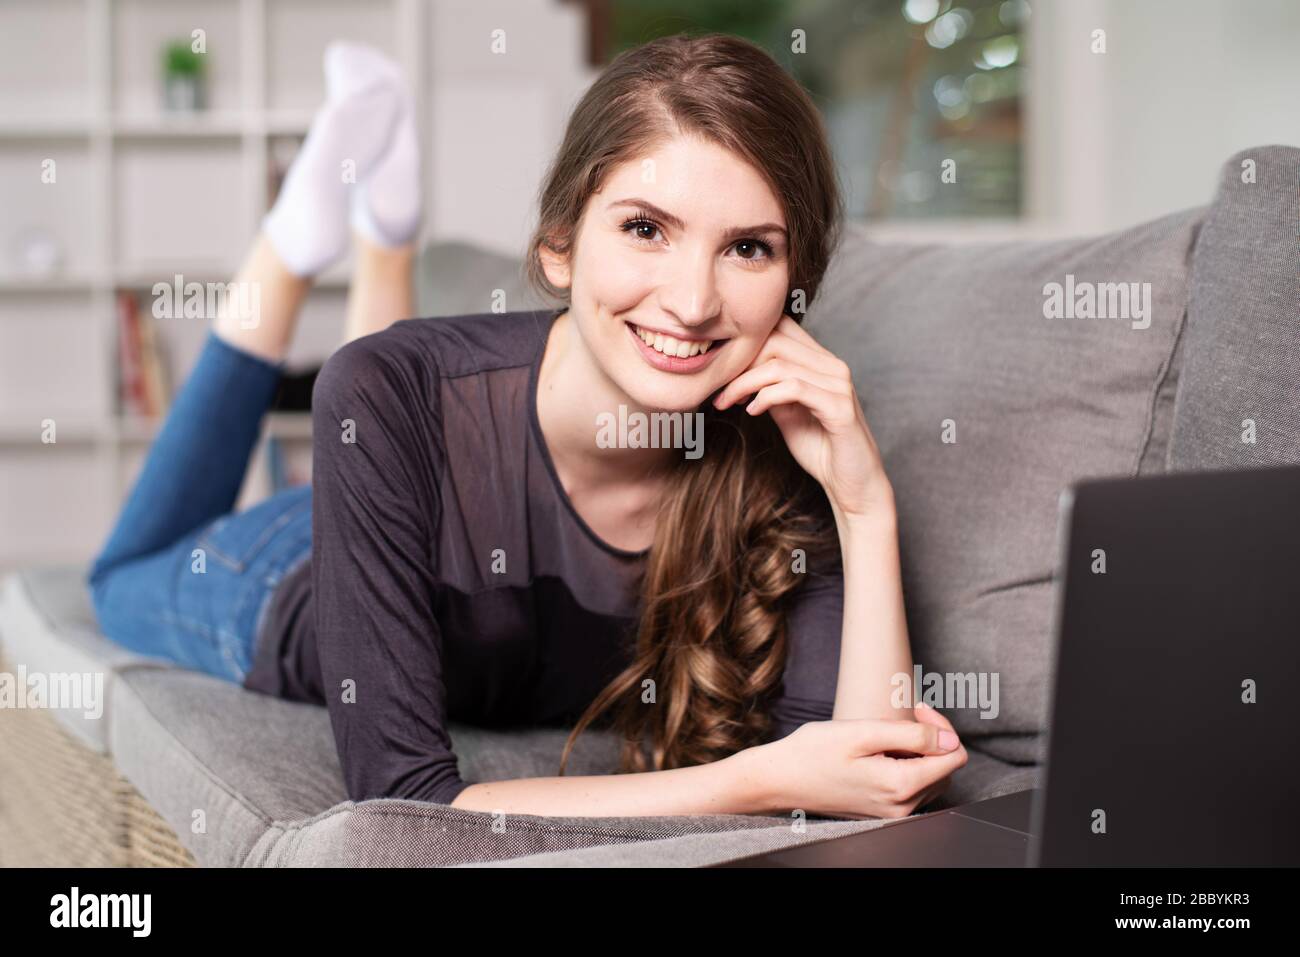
x: 140, y: 195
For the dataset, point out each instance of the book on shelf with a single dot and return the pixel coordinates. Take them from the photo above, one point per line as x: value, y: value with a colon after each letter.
x: 143, y: 383
x: 130, y: 387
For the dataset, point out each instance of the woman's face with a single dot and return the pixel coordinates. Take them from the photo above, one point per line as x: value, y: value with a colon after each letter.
x: 684, y: 247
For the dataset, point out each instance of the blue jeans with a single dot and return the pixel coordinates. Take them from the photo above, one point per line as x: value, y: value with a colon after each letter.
x: 180, y: 577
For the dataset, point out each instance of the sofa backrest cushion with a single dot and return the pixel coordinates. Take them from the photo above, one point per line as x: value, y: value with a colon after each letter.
x: 1239, y: 402
x: 985, y: 409
x: 455, y: 278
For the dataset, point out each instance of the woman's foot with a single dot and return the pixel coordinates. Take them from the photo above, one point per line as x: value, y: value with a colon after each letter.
x: 385, y: 216
x: 386, y: 203
x: 308, y: 226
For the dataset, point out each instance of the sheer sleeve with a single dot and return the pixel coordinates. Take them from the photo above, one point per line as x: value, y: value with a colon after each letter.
x: 813, y: 632
x: 376, y: 462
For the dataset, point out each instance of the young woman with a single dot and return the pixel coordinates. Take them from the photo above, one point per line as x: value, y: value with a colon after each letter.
x: 468, y: 548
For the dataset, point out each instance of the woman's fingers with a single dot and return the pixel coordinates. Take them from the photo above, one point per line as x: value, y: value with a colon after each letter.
x: 832, y: 409
x: 912, y: 776
x: 877, y: 736
x: 929, y: 715
x: 792, y: 341
x: 908, y: 778
x: 780, y: 345
x: 771, y: 372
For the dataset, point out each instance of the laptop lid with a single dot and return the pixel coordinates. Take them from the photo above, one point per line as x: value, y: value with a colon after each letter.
x: 1176, y: 700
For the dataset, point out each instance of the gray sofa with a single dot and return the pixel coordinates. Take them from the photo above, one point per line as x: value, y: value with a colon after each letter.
x: 985, y: 409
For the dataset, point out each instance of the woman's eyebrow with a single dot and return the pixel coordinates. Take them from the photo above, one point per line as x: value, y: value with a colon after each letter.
x: 736, y: 232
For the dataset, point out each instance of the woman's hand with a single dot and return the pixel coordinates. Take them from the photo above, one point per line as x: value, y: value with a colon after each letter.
x: 810, y: 394
x: 852, y: 768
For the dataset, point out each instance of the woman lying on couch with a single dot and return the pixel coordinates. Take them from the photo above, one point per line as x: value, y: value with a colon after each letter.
x: 473, y: 546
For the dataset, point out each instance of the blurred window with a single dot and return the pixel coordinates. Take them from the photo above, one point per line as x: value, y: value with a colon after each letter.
x: 904, y: 85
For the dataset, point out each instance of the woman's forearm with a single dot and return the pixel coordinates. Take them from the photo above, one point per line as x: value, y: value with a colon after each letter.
x: 874, y: 645
x: 732, y: 785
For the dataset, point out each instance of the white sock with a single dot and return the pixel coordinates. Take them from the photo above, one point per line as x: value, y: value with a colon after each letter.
x: 386, y: 204
x: 308, y: 226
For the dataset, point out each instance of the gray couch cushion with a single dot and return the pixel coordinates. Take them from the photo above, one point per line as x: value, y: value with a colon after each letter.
x: 262, y: 777
x: 47, y: 624
x: 958, y: 333
x: 982, y: 777
x: 1243, y: 322
x: 248, y: 779
x: 694, y: 850
x: 461, y: 279
x: 220, y: 764
x: 396, y: 833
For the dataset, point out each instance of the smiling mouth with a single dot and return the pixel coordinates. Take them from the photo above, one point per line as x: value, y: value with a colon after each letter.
x: 671, y: 346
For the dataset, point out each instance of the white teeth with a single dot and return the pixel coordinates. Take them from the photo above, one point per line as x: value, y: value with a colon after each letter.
x: 670, y: 346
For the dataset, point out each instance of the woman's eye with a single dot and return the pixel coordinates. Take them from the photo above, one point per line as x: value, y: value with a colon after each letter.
x: 644, y: 230
x: 636, y: 225
x: 749, y: 249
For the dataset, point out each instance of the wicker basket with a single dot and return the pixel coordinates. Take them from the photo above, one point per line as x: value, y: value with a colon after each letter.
x: 64, y: 805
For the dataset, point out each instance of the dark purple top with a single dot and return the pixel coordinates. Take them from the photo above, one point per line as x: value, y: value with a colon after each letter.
x: 451, y: 576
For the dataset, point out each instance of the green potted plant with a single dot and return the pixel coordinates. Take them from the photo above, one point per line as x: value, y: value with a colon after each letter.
x: 183, y: 75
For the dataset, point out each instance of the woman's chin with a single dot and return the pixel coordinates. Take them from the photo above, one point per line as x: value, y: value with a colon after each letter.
x: 669, y: 399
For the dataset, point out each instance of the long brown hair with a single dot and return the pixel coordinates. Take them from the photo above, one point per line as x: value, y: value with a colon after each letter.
x: 721, y: 571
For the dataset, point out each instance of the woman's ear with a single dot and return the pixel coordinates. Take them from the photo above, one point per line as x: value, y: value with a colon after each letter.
x: 555, y: 265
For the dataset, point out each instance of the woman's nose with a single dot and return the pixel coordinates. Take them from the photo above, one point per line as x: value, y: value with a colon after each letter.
x: 690, y: 291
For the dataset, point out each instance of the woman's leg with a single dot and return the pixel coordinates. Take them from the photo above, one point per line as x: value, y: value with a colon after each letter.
x: 197, y: 462
x: 200, y: 601
x: 276, y: 295
x: 385, y: 219
x: 180, y: 577
x: 380, y: 293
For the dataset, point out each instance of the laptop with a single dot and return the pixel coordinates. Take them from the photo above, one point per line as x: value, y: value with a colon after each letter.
x: 1174, y: 716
